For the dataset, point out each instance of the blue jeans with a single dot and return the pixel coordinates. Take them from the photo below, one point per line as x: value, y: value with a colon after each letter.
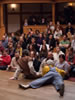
x: 52, y: 77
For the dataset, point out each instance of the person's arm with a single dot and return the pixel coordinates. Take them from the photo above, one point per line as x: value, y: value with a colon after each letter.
x: 72, y: 44
x: 20, y: 51
x: 12, y: 63
x: 31, y: 67
x: 7, y: 60
x: 41, y: 66
x: 66, y: 67
x: 74, y: 60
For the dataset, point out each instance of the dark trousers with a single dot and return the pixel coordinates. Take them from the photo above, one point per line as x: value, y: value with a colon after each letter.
x: 3, y: 67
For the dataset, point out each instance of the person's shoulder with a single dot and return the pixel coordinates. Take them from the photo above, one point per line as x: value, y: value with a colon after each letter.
x: 65, y: 62
x: 61, y: 53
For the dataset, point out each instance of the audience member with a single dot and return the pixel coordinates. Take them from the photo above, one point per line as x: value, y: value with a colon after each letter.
x: 5, y: 60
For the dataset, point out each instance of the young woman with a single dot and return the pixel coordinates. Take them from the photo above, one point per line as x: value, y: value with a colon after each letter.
x: 19, y: 49
x: 43, y: 52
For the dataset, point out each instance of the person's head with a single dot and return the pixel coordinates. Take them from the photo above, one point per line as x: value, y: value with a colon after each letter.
x: 61, y: 58
x: 31, y: 47
x: 23, y: 35
x: 4, y: 38
x: 33, y: 40
x: 21, y: 39
x: 26, y: 21
x: 32, y: 54
x: 49, y: 31
x: 44, y: 42
x: 10, y: 39
x: 50, y: 36
x: 43, y: 20
x: 71, y: 51
x: 69, y: 24
x: 37, y: 32
x: 11, y: 45
x: 25, y: 53
x: 18, y: 45
x: 0, y: 43
x: 17, y: 54
x: 31, y: 33
x: 12, y: 34
x: 44, y: 48
x: 30, y: 30
x: 5, y: 52
x: 50, y: 23
x: 57, y: 29
x: 64, y: 37
x: 34, y: 19
x: 57, y: 49
x: 74, y: 36
x: 40, y: 35
x: 58, y: 23
x: 50, y: 55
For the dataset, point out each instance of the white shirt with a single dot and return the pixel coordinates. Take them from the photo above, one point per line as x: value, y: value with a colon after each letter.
x: 73, y: 44
x: 46, y: 46
x: 31, y: 67
x: 57, y: 34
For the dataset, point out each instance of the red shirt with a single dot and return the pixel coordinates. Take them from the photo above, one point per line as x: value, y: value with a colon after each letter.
x: 1, y: 48
x: 69, y: 61
x: 6, y: 60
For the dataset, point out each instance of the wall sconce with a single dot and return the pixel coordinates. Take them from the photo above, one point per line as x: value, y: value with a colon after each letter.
x: 13, y: 6
x: 70, y: 4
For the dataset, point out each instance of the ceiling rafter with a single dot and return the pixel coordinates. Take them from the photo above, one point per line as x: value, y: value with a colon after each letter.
x: 35, y: 1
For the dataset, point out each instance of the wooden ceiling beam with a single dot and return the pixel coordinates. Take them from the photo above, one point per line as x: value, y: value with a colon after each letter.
x: 34, y: 1
x: 26, y: 1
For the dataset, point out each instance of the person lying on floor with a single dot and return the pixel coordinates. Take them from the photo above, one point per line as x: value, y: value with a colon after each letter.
x: 25, y: 65
x: 51, y: 75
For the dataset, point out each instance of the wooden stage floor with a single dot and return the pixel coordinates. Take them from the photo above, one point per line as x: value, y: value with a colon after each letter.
x: 9, y: 90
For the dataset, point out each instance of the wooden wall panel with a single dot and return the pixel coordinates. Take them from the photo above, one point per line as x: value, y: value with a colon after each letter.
x: 2, y: 32
x: 41, y: 28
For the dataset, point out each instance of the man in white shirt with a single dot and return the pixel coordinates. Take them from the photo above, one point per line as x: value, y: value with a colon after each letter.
x: 57, y: 53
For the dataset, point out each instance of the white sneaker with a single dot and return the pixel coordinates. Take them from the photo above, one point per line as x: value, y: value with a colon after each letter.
x: 13, y: 78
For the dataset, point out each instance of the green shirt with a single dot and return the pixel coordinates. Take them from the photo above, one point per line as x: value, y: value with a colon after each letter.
x: 65, y: 42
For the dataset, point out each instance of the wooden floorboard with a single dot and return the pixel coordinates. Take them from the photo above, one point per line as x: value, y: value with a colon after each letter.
x: 9, y: 90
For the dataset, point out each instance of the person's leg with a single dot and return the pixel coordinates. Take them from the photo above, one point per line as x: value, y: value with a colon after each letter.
x: 17, y: 73
x: 72, y: 71
x: 58, y: 83
x: 3, y: 67
x: 46, y: 79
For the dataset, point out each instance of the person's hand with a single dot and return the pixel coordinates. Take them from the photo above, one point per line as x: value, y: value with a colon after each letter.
x: 1, y: 59
x: 38, y: 74
x: 38, y: 45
